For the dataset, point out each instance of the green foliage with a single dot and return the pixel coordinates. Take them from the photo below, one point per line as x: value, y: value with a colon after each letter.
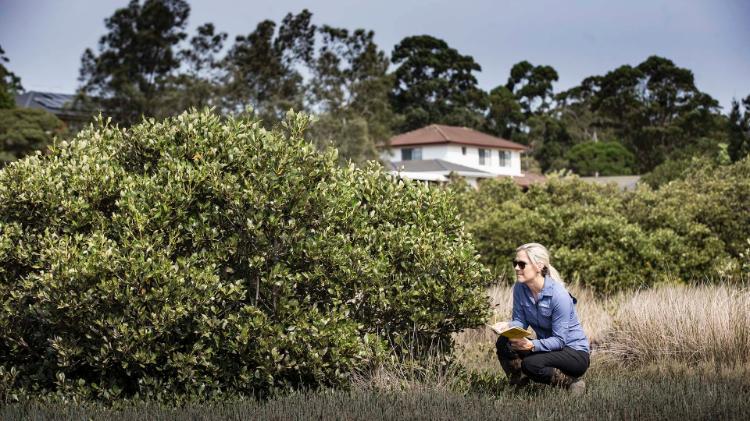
x: 348, y: 134
x: 504, y: 116
x: 9, y: 84
x: 591, y: 242
x: 127, y: 77
x: 199, y: 86
x: 24, y: 131
x: 532, y: 86
x: 673, y: 169
x: 654, y: 108
x: 604, y: 158
x: 664, y: 173
x: 350, y: 88
x: 200, y: 257
x: 739, y: 130
x: 702, y: 208
x: 434, y: 83
x: 688, y: 230
x: 550, y: 140
x: 261, y: 68
x: 745, y: 259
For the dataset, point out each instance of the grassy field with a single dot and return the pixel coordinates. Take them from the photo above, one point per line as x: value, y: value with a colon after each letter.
x: 656, y: 393
x: 671, y: 352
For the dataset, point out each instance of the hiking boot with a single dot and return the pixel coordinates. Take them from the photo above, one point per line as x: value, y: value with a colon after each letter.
x: 577, y: 388
x: 512, y: 369
x: 576, y: 385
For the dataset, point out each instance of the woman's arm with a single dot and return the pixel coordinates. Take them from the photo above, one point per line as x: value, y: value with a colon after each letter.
x: 519, y: 317
x: 562, y: 306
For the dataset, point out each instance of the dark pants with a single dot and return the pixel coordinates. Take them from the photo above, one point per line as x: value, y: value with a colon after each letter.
x: 538, y: 365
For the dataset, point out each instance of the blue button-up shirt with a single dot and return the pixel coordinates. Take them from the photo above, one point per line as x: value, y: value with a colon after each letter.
x: 553, y: 317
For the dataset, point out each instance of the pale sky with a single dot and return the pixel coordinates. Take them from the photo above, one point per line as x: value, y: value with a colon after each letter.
x: 44, y: 39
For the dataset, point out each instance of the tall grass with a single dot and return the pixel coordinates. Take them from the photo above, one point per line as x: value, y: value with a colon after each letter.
x: 687, y: 324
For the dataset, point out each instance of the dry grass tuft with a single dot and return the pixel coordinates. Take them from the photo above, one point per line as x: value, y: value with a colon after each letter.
x: 688, y: 324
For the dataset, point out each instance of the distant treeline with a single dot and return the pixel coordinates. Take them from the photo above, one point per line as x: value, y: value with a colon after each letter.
x: 629, y: 120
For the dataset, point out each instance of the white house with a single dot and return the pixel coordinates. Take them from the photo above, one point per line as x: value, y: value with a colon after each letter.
x: 433, y: 152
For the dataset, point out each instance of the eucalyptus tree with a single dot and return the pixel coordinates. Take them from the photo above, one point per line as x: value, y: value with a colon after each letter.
x: 135, y: 59
x: 349, y: 89
x: 263, y: 69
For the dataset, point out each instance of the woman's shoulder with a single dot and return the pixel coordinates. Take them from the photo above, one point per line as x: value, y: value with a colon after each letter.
x: 558, y: 289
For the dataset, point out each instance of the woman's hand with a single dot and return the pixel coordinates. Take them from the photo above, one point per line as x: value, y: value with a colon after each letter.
x: 521, y: 344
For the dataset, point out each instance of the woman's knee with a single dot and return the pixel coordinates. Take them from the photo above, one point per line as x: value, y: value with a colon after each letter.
x: 502, y: 346
x: 531, y: 366
x: 502, y: 341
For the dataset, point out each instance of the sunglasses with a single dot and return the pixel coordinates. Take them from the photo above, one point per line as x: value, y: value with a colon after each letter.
x: 521, y: 265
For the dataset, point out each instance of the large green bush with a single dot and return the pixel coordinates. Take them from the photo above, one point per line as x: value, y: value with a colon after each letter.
x: 581, y: 224
x: 708, y: 208
x: 199, y: 256
x: 689, y: 230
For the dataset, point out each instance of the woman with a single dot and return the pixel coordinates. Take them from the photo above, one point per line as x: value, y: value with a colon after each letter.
x: 560, y: 354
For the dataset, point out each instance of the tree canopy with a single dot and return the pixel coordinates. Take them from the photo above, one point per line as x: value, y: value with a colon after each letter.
x: 739, y: 130
x: 147, y: 66
x: 434, y: 83
x: 350, y: 87
x: 261, y: 67
x: 600, y: 158
x: 128, y: 74
x: 654, y: 107
x: 9, y: 83
x: 532, y: 86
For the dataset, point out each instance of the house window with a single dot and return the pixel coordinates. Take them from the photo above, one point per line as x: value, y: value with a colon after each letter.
x: 411, y: 154
x: 463, y: 150
x: 484, y: 156
x: 504, y: 160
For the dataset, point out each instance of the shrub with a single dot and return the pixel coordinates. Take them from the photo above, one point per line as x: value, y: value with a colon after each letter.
x: 199, y: 256
x: 670, y: 169
x: 707, y: 206
x: 605, y: 158
x: 24, y: 131
x: 581, y: 224
x: 691, y: 229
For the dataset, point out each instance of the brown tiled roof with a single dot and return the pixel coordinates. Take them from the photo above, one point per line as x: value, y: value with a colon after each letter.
x: 438, y: 133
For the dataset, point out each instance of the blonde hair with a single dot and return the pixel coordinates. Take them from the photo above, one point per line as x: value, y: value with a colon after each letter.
x: 539, y: 254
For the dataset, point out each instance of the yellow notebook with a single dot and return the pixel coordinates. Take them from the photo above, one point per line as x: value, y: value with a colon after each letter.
x: 512, y: 332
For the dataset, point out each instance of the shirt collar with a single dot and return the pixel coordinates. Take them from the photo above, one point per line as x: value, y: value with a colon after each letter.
x: 547, y: 289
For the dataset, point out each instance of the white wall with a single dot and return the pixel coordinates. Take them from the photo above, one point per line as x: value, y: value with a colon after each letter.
x: 453, y: 153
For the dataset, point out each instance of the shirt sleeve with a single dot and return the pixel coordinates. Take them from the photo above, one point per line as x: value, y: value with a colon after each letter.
x: 561, y: 308
x: 519, y: 317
